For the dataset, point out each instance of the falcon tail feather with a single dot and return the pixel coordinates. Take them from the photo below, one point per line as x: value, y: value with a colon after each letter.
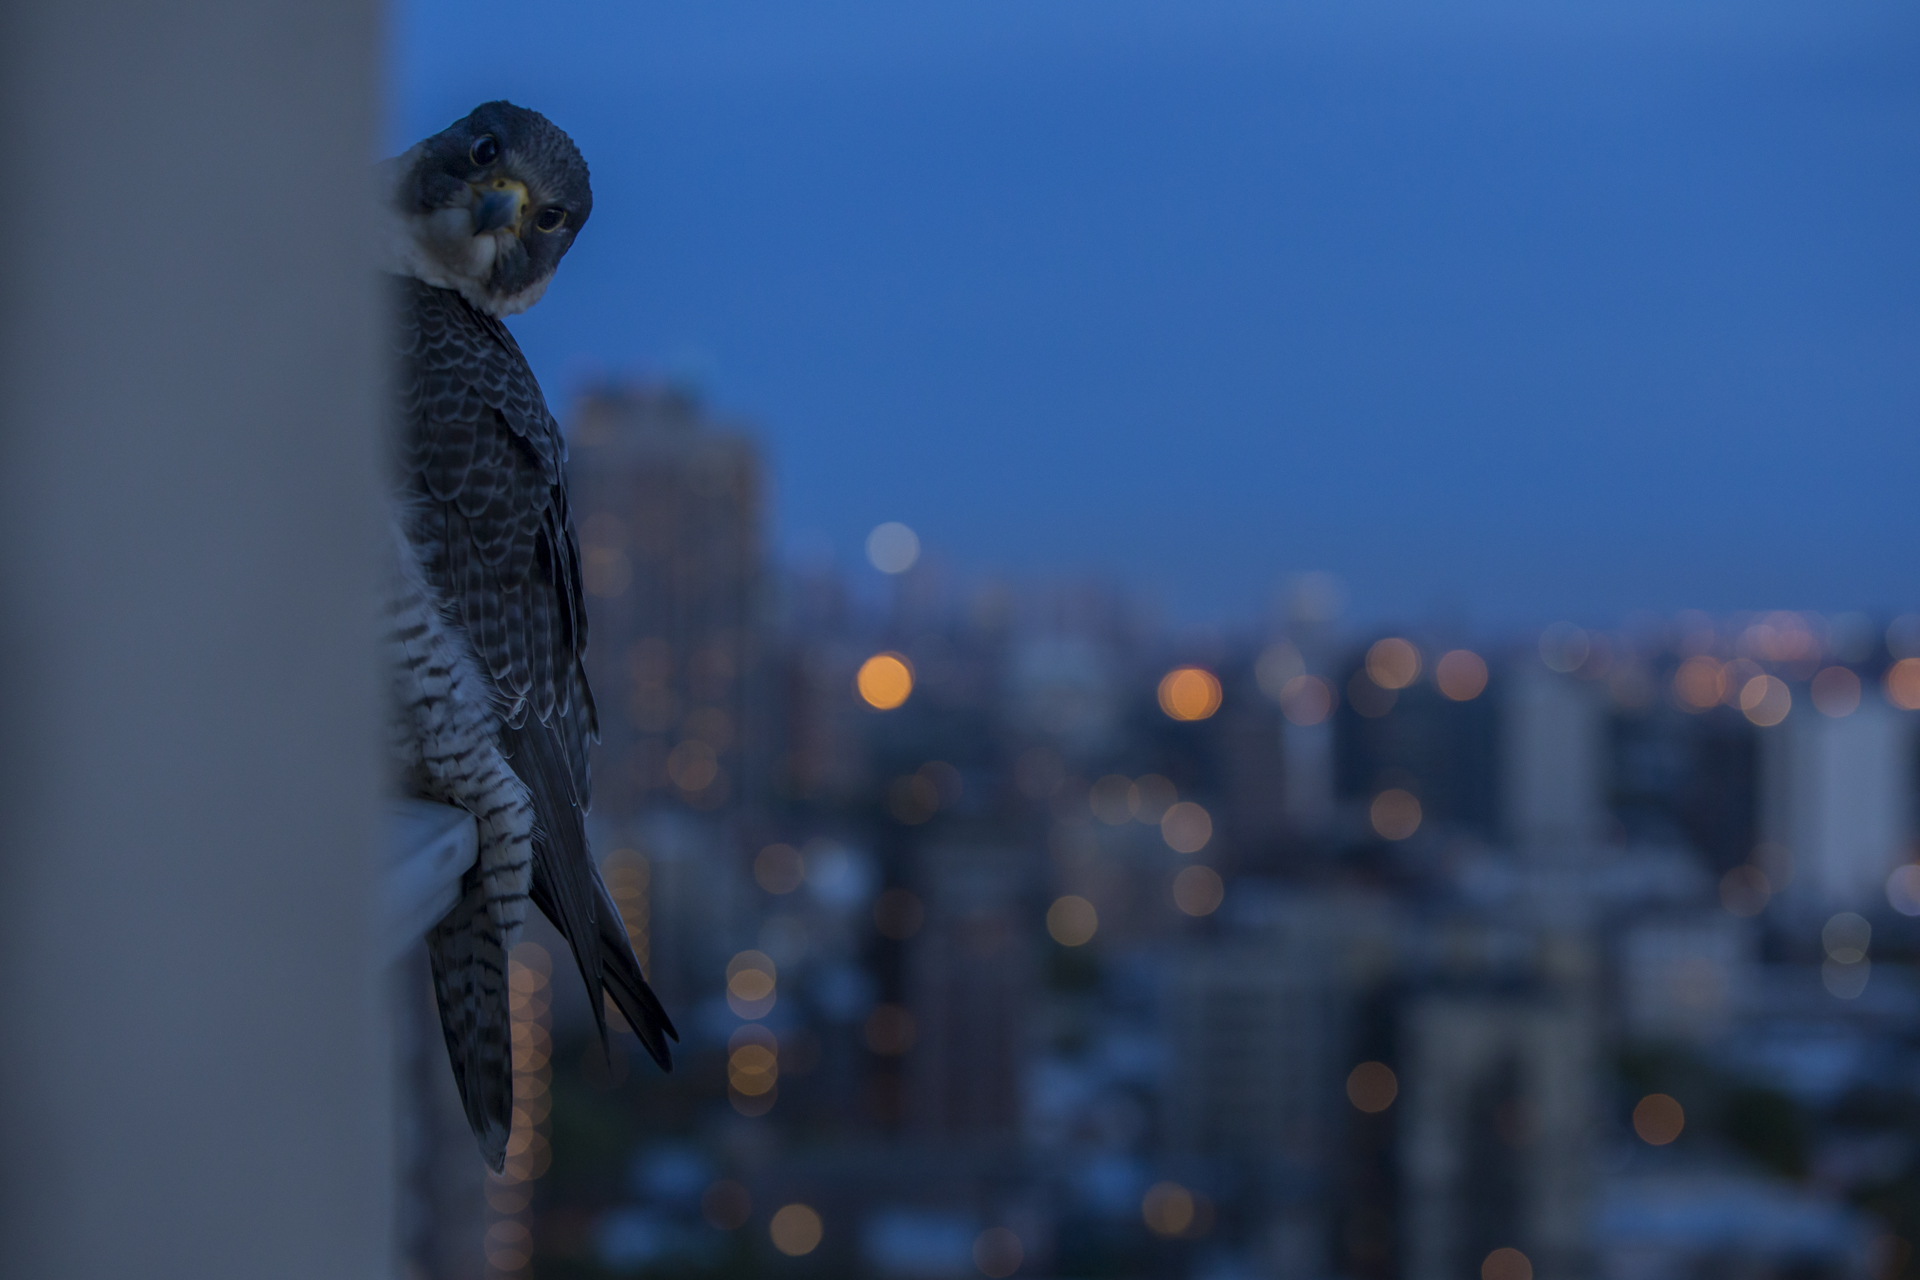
x: 568, y: 890
x: 470, y: 985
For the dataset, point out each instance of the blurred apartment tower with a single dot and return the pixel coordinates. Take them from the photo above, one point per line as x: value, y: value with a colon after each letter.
x: 1839, y: 799
x: 1553, y: 763
x: 970, y: 977
x: 1682, y: 975
x: 671, y: 512
x: 1687, y: 778
x: 1261, y: 1028
x: 1447, y: 753
x: 1500, y: 1071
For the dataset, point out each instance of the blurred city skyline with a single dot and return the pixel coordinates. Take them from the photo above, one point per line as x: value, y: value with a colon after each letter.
x: 1502, y: 313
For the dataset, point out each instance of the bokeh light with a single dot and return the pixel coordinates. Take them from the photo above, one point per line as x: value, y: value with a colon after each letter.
x: 1395, y: 814
x: 1461, y: 675
x: 1276, y: 667
x: 885, y: 680
x: 752, y: 1069
x: 1902, y: 683
x: 1506, y: 1264
x: 1564, y: 647
x: 1306, y: 700
x: 1186, y: 827
x: 509, y: 1245
x: 1658, y: 1119
x: 1198, y: 891
x: 1846, y: 936
x: 1846, y: 981
x: 751, y: 979
x: 892, y: 547
x: 1699, y: 684
x: 795, y: 1230
x: 1836, y: 692
x: 1189, y: 693
x: 997, y: 1253
x: 1903, y: 890
x: 1150, y: 797
x: 1072, y: 921
x: 1393, y: 663
x: 1766, y: 700
x: 1167, y: 1208
x: 1372, y: 1087
x: 913, y: 799
x: 693, y: 765
x: 779, y: 869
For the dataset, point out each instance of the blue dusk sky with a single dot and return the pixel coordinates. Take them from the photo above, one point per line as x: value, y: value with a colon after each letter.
x: 1513, y: 311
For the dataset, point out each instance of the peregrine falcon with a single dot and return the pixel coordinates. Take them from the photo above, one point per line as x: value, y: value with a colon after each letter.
x: 486, y: 625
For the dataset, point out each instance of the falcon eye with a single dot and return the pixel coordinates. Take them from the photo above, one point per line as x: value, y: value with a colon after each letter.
x: 552, y: 218
x: 485, y: 150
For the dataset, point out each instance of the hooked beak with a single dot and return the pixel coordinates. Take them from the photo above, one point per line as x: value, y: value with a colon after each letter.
x: 500, y: 203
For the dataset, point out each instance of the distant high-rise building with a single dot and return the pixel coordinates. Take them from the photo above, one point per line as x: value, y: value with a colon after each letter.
x: 1261, y: 1030
x: 1498, y: 1105
x: 1553, y: 763
x: 1838, y: 796
x: 1682, y: 974
x: 969, y: 984
x: 671, y: 511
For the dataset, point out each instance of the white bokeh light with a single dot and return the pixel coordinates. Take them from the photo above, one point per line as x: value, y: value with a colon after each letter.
x: 892, y: 547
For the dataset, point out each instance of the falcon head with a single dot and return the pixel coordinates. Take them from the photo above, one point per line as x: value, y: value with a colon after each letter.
x: 487, y: 207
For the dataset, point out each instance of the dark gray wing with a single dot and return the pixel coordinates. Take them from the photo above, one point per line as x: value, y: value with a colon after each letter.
x: 485, y: 459
x: 484, y: 462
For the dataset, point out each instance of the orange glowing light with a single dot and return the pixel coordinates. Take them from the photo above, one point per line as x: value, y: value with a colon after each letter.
x: 1189, y: 693
x: 1699, y: 684
x: 752, y: 1069
x: 1461, y: 675
x: 1765, y: 700
x: 1658, y: 1119
x: 1395, y: 814
x: 796, y: 1230
x: 1186, y: 827
x: 751, y: 982
x: 1372, y: 1087
x: 779, y: 868
x: 1836, y: 692
x: 1167, y: 1208
x: 885, y: 680
x: 1902, y: 683
x: 1198, y: 891
x: 1072, y: 921
x: 1506, y: 1264
x: 1393, y: 663
x: 1306, y: 700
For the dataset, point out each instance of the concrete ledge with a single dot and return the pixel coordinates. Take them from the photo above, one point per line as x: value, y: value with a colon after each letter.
x: 429, y: 847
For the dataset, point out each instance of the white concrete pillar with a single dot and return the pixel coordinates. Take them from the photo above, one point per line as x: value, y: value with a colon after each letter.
x: 195, y: 1079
